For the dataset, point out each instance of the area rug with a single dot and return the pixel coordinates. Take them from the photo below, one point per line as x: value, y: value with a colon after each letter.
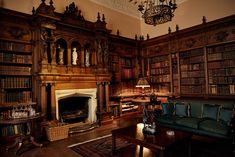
x: 99, y: 147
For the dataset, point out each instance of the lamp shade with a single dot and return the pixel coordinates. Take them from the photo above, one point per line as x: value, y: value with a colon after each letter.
x: 142, y: 82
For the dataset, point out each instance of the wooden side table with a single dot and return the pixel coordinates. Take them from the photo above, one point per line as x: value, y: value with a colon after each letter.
x: 20, y: 140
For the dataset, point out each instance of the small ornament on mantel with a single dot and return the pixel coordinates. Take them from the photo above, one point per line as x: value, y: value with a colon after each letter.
x: 147, y: 36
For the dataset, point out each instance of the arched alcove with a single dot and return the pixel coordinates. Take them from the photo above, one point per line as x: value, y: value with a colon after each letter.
x: 61, y: 52
x: 88, y: 55
x: 76, y: 53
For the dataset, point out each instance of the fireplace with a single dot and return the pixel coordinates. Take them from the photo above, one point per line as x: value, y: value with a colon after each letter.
x: 73, y: 108
x: 76, y: 105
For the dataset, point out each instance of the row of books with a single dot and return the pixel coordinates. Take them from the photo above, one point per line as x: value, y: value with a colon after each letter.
x: 221, y: 48
x: 16, y: 82
x: 222, y: 64
x: 159, y: 59
x: 11, y: 97
x: 127, y: 74
x: 164, y: 70
x: 160, y: 78
x: 191, y: 67
x: 222, y: 80
x: 16, y: 129
x: 222, y: 89
x: 115, y: 58
x: 189, y: 81
x: 14, y: 58
x: 192, y: 53
x: 14, y: 70
x: 126, y: 61
x: 160, y: 64
x: 115, y: 67
x: 192, y: 60
x: 191, y: 74
x: 193, y: 89
x: 222, y: 72
x: 19, y: 47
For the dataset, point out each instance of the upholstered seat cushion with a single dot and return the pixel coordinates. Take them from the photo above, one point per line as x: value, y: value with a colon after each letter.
x: 168, y: 119
x: 213, y: 126
x: 190, y: 122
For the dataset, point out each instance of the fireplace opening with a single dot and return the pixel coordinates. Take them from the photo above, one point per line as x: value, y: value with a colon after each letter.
x: 73, y: 109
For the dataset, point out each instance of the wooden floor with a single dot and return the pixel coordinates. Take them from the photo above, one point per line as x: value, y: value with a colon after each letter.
x: 60, y: 148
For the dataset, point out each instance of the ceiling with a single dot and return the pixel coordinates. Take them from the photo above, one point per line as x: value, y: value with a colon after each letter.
x: 125, y: 6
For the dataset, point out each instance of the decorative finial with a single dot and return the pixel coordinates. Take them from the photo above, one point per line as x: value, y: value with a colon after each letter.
x: 203, y: 19
x: 118, y: 33
x: 169, y: 30
x: 33, y: 11
x: 103, y: 18
x: 177, y: 27
x: 136, y: 37
x: 51, y: 2
x: 98, y: 17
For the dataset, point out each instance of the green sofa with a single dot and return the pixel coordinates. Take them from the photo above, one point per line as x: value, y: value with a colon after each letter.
x: 201, y: 117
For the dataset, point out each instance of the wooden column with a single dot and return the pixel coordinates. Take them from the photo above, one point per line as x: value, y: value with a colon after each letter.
x: 53, y: 103
x: 69, y: 56
x: 82, y: 57
x: 43, y: 100
x: 107, y: 96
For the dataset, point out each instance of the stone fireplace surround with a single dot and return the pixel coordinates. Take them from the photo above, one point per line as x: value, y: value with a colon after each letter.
x: 87, y: 92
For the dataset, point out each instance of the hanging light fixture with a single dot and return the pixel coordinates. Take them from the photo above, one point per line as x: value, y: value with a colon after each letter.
x: 156, y: 12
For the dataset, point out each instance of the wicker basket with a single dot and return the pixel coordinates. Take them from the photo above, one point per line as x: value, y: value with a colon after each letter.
x: 57, y: 132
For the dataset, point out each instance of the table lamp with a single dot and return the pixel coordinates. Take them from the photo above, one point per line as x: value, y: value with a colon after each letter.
x: 143, y: 83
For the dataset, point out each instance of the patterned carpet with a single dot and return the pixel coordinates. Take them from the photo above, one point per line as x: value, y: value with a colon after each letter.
x: 101, y: 147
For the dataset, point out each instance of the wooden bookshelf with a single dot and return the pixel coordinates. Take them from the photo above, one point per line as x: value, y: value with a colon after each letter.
x: 15, y: 72
x: 160, y: 72
x: 192, y: 72
x: 15, y: 86
x: 221, y: 69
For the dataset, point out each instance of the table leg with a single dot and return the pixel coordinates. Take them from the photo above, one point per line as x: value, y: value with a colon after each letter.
x: 189, y: 148
x: 141, y: 151
x: 113, y: 144
x: 34, y: 142
x: 17, y: 141
x: 161, y: 153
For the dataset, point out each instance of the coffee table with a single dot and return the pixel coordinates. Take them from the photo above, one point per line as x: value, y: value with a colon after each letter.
x: 158, y: 142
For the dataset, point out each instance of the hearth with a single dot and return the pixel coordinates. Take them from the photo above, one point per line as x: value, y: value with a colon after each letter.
x: 73, y: 109
x: 76, y: 105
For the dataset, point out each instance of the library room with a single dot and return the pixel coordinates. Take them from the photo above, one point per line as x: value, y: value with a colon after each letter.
x: 117, y: 78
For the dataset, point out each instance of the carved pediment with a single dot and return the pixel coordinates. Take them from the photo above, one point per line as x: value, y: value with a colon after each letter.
x: 72, y: 12
x: 44, y: 9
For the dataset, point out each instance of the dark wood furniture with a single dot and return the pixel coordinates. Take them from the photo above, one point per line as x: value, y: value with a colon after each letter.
x: 159, y: 142
x: 30, y: 124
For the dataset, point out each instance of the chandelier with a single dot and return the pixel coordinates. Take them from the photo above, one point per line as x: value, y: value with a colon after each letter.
x: 156, y: 12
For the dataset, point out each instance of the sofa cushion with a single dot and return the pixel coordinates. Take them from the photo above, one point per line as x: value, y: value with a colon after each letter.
x: 168, y: 119
x: 190, y: 122
x: 181, y: 109
x: 213, y: 126
x: 167, y: 108
x: 210, y: 111
x: 225, y: 115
